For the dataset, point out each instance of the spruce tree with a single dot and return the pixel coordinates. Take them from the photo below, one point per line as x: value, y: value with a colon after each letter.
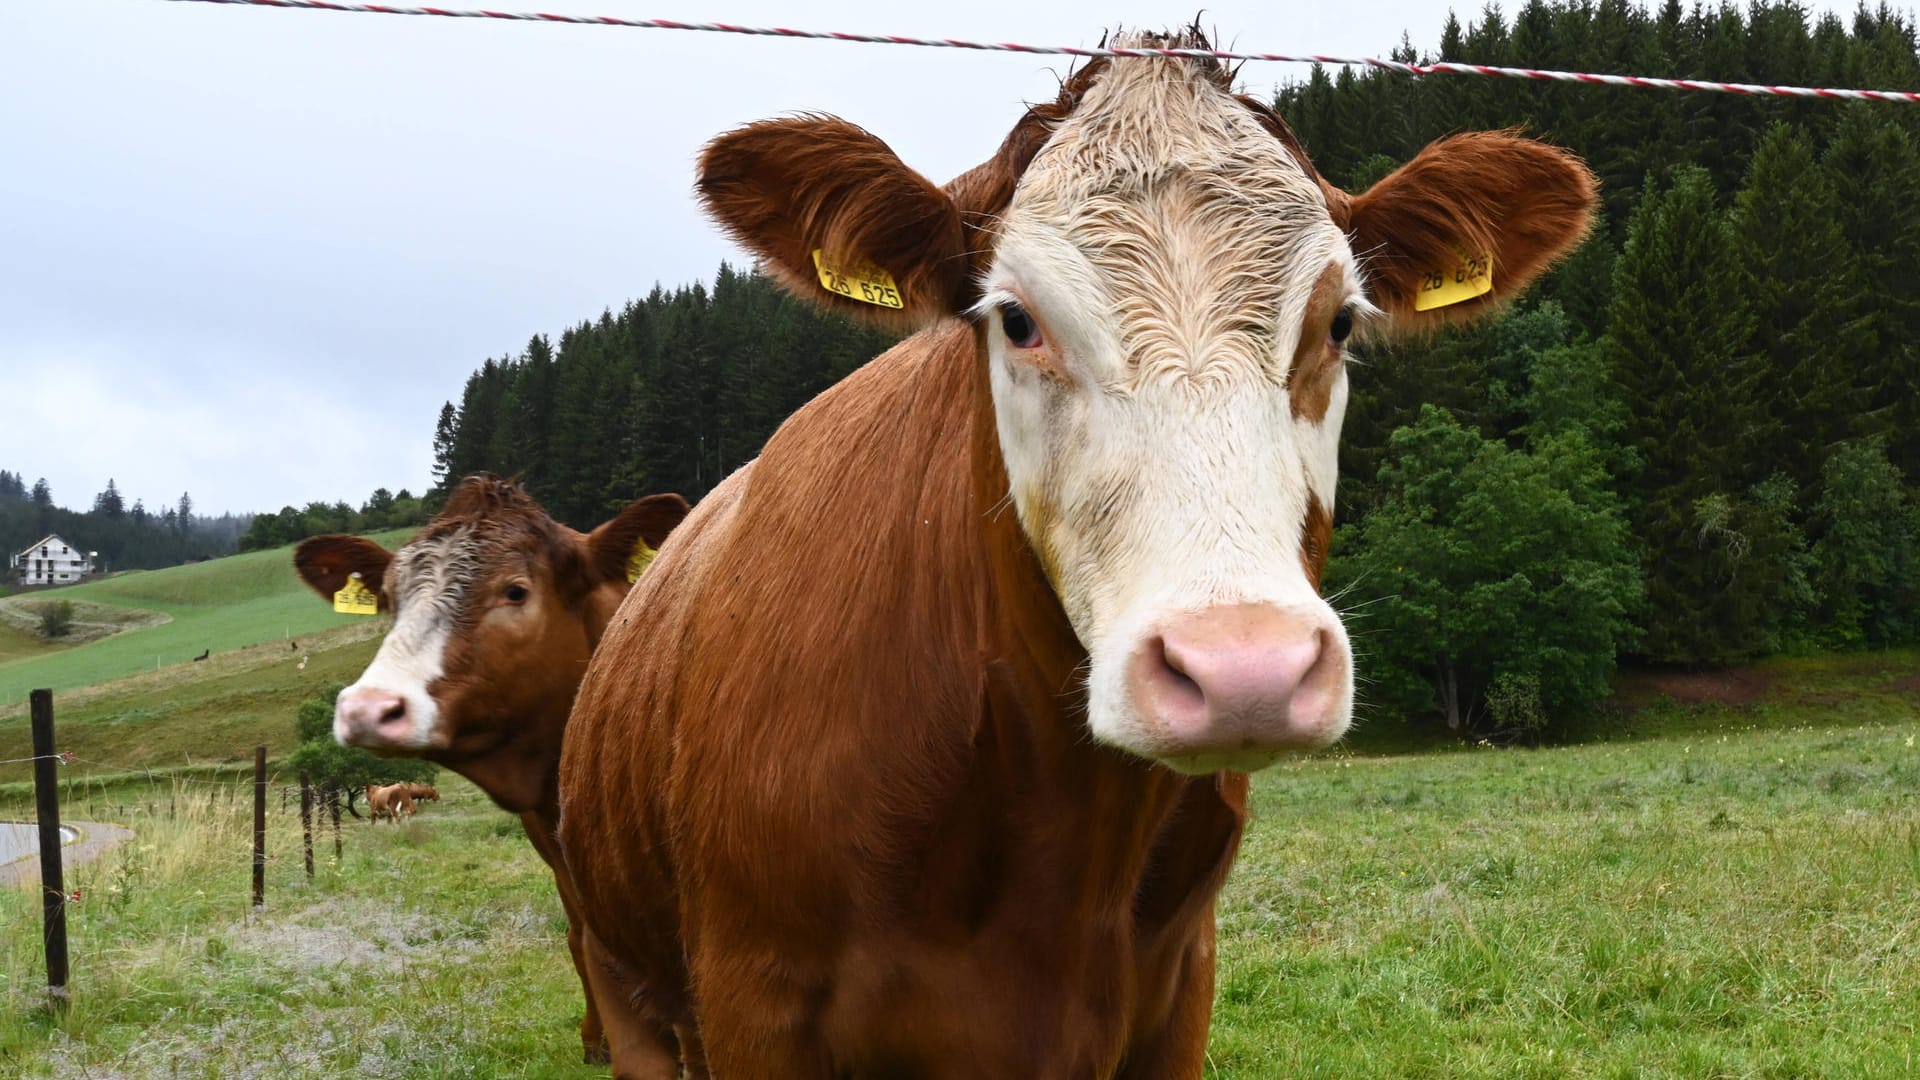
x: 1678, y: 337
x: 444, y: 432
x: 1872, y: 169
x: 108, y: 503
x: 1803, y: 283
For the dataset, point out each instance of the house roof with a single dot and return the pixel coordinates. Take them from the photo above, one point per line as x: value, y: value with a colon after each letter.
x: 27, y: 552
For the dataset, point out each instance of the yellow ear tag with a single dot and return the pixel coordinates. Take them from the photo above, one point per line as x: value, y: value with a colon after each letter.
x: 866, y: 283
x: 354, y: 598
x: 638, y: 562
x: 1471, y: 276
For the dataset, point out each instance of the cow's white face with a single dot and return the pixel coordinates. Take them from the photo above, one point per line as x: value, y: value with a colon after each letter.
x: 1164, y: 319
x: 391, y: 706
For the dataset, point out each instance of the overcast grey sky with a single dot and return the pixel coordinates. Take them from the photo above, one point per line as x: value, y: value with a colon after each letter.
x: 248, y: 252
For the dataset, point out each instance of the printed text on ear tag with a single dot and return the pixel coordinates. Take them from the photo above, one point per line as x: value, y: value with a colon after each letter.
x: 354, y: 598
x: 638, y: 561
x: 1471, y: 276
x: 865, y: 283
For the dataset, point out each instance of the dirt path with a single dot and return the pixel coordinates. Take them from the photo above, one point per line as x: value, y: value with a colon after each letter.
x: 95, y: 839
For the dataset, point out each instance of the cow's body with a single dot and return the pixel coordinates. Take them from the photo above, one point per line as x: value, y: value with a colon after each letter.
x: 390, y: 801
x: 458, y: 684
x: 900, y: 850
x: 921, y: 752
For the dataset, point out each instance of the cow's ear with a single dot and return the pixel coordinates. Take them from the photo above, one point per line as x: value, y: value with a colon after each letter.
x: 1469, y: 223
x: 620, y: 549
x: 836, y: 218
x: 325, y: 563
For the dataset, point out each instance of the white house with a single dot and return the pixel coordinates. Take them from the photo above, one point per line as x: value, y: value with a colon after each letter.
x: 52, y: 561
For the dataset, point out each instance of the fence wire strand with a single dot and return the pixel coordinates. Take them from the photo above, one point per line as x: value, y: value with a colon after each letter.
x: 1643, y: 82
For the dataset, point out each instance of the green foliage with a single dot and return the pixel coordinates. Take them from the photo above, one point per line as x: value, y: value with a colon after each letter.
x: 126, y: 540
x: 1492, y: 587
x: 1747, y: 303
x: 1866, y: 561
x: 670, y: 394
x: 56, y: 619
x: 382, y: 510
x: 343, y: 768
x: 1751, y: 289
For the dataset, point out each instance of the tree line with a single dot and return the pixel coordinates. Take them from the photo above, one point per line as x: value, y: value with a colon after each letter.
x: 1696, y: 442
x: 382, y: 510
x: 126, y: 536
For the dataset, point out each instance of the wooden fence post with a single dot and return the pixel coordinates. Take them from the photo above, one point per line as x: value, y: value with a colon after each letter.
x: 53, y: 889
x: 259, y: 827
x: 333, y: 801
x: 306, y: 819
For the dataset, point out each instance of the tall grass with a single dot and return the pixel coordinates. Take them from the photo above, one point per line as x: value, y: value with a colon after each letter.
x: 429, y: 950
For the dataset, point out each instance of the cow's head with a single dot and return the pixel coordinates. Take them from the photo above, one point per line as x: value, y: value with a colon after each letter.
x: 1163, y: 291
x: 496, y: 611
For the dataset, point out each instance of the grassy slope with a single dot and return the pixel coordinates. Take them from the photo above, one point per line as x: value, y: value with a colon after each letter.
x: 224, y: 604
x: 1715, y: 891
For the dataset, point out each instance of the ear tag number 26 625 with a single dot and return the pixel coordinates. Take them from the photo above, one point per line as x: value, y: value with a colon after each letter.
x: 868, y: 284
x: 1471, y: 276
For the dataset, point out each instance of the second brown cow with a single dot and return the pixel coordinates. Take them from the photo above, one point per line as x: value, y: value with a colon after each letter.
x: 497, y: 608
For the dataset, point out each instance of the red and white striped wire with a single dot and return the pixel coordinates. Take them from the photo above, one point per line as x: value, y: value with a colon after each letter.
x: 1442, y: 68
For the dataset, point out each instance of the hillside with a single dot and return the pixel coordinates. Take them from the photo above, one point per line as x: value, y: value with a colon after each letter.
x: 221, y: 605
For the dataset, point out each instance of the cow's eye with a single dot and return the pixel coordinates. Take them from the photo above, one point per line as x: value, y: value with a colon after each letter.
x: 1342, y: 326
x: 515, y: 594
x: 1019, y: 326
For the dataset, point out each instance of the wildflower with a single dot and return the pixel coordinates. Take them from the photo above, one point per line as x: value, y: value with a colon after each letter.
x: 1909, y: 742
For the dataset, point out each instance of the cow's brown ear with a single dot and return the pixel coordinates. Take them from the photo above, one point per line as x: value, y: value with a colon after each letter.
x: 326, y: 562
x: 836, y: 218
x: 1469, y: 223
x: 621, y: 548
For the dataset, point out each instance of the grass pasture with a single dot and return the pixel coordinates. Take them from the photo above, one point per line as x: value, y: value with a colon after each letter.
x: 1726, y: 891
x: 222, y: 605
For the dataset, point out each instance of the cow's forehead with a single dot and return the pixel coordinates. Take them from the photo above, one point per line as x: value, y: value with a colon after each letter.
x: 439, y: 567
x: 1144, y: 120
x: 1200, y: 228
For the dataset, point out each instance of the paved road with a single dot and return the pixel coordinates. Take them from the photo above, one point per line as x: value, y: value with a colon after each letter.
x: 18, y: 840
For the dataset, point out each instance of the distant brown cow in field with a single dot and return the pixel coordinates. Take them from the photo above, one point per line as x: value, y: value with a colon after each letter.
x: 923, y: 749
x: 497, y: 608
x: 388, y: 801
x: 422, y: 792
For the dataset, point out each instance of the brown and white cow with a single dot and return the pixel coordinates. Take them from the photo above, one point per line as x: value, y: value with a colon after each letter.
x: 929, y: 756
x: 389, y: 801
x: 496, y: 609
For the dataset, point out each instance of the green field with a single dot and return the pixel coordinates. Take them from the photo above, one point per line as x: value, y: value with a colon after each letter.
x: 222, y: 605
x: 1713, y: 891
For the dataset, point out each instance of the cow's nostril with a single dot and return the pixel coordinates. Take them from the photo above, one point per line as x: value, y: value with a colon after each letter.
x: 1174, y: 670
x: 394, y: 713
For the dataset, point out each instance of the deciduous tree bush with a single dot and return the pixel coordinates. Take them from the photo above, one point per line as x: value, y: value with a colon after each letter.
x: 331, y: 766
x: 1493, y: 587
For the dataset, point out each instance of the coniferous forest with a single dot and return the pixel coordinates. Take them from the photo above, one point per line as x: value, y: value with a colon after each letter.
x: 1695, y: 443
x: 127, y: 535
